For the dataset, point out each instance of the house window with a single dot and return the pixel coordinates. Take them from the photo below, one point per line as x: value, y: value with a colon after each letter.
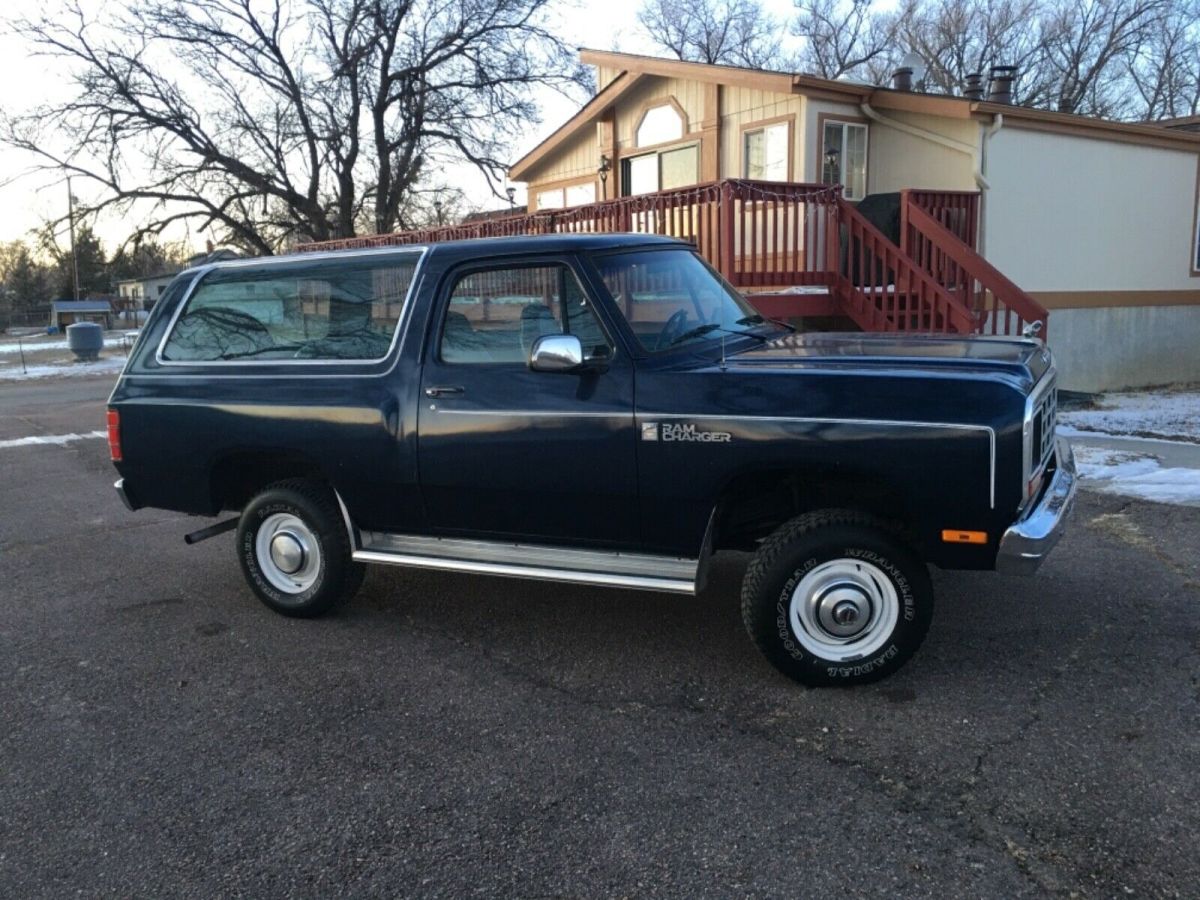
x: 572, y: 195
x: 765, y: 152
x: 844, y: 157
x: 660, y: 171
x: 659, y: 125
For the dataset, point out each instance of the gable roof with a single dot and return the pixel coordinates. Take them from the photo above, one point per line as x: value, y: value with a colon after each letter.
x: 632, y: 67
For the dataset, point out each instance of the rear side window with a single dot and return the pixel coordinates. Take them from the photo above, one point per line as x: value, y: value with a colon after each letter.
x: 495, y: 315
x: 342, y: 309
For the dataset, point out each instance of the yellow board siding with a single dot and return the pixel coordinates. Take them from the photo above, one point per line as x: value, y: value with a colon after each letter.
x: 743, y: 106
x: 604, y: 75
x: 577, y: 158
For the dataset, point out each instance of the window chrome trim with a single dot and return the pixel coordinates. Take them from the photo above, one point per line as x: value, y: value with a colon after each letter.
x: 886, y: 423
x: 204, y: 271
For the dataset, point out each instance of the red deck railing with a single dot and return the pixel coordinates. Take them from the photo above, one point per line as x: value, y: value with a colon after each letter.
x: 998, y: 306
x: 764, y: 235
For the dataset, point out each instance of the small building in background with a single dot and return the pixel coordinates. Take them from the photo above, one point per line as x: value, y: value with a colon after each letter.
x: 142, y: 293
x: 68, y: 312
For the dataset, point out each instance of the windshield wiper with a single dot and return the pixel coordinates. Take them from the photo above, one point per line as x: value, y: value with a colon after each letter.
x: 758, y: 319
x: 701, y: 330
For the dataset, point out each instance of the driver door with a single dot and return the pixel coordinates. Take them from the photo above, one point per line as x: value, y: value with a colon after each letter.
x: 507, y: 452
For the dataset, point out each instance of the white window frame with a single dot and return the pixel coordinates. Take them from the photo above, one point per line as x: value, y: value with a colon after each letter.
x: 762, y: 129
x: 846, y: 126
x: 658, y: 155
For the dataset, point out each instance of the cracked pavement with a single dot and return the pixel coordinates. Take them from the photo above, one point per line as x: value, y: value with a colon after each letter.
x: 453, y: 736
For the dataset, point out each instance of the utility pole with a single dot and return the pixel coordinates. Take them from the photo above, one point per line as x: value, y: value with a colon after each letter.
x: 71, y: 223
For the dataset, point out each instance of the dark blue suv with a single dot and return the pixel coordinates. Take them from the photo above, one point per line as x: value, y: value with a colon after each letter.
x: 595, y: 409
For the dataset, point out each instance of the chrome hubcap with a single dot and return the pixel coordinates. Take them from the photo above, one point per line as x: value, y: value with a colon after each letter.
x: 288, y: 553
x: 844, y: 609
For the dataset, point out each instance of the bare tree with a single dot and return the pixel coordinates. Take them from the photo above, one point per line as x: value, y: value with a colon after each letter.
x: 957, y: 39
x: 1165, y: 71
x: 277, y: 120
x: 737, y: 32
x: 1087, y: 42
x: 842, y: 37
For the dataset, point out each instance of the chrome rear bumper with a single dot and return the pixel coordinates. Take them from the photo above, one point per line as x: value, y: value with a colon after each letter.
x: 1029, y: 541
x: 119, y: 486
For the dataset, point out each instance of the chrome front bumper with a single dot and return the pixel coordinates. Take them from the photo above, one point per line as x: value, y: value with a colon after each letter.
x: 1030, y: 540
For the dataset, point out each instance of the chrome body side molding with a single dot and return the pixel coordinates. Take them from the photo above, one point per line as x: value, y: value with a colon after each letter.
x: 596, y: 567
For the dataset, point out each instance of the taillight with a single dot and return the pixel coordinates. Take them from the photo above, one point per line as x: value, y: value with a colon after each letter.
x: 114, y: 435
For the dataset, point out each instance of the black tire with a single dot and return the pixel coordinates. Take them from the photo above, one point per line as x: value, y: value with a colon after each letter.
x: 842, y: 554
x: 329, y: 575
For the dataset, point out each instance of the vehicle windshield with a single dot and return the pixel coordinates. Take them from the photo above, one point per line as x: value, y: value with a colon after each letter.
x: 672, y: 298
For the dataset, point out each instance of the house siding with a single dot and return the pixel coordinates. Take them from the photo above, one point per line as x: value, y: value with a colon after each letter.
x: 742, y: 106
x: 1067, y: 213
x: 577, y: 159
x: 897, y: 160
x: 1101, y: 233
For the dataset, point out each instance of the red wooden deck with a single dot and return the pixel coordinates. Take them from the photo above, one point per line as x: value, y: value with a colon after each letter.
x: 778, y: 242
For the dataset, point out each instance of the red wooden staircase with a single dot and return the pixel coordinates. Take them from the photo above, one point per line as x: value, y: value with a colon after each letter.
x: 801, y: 250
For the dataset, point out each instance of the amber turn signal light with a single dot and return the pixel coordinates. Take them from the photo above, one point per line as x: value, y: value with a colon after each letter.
x: 953, y: 536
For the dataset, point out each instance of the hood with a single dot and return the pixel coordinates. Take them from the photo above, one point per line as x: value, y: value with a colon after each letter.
x: 1023, y: 360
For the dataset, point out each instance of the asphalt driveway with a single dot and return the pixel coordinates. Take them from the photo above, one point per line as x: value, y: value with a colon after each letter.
x: 458, y: 736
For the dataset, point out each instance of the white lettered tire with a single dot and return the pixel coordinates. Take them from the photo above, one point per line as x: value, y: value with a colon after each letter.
x: 833, y: 597
x: 294, y: 550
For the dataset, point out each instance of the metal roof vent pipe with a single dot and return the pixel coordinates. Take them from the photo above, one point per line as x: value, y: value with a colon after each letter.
x: 902, y: 79
x: 1000, y: 84
x: 973, y: 86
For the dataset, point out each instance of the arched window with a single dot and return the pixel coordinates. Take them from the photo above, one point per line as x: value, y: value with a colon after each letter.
x: 659, y: 125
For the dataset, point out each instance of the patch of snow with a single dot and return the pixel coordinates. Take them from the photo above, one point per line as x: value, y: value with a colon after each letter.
x: 1154, y: 414
x: 1136, y: 475
x: 108, y: 365
x: 60, y: 440
x: 38, y: 346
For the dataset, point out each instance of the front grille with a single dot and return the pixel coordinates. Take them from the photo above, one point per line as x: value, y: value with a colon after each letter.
x: 1045, y: 416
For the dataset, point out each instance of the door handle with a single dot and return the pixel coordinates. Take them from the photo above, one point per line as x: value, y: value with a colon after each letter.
x: 443, y: 390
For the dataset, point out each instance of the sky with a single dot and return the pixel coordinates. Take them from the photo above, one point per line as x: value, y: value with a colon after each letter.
x: 29, y: 198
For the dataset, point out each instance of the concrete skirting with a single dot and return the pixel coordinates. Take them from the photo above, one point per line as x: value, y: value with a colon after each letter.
x: 1106, y: 349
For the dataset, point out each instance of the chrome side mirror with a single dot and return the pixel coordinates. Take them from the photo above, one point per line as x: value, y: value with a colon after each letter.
x: 556, y: 353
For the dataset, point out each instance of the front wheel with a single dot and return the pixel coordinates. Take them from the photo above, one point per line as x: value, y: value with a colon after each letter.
x: 294, y: 550
x: 833, y: 598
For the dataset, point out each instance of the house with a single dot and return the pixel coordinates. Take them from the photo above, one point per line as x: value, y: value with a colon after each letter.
x: 68, y: 312
x: 143, y: 293
x: 1095, y: 220
x: 856, y: 206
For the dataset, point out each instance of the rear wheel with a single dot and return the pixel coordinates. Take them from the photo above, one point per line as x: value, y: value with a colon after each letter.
x: 294, y: 549
x: 833, y: 598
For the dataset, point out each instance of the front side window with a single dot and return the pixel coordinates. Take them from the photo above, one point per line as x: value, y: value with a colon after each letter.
x: 496, y: 315
x: 844, y: 157
x: 765, y: 152
x: 343, y: 309
x: 672, y: 298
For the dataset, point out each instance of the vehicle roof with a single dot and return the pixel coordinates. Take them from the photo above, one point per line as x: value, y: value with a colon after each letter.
x: 476, y: 248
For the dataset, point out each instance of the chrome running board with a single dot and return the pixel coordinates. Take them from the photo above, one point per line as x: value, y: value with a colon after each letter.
x: 596, y: 567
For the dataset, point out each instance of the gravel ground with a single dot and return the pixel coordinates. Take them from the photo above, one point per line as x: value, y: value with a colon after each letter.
x: 455, y: 736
